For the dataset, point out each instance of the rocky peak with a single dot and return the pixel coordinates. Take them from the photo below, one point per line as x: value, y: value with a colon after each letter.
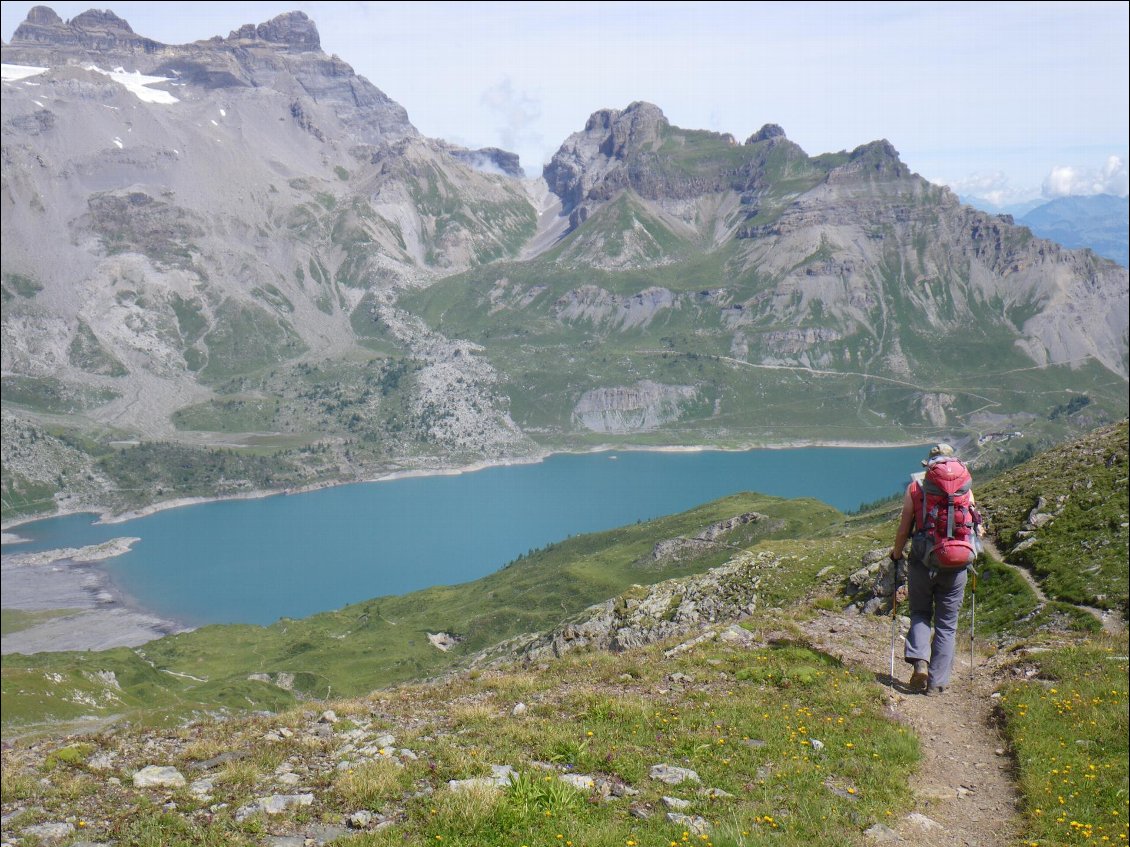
x: 42, y: 16
x: 96, y: 20
x: 94, y: 29
x: 283, y: 54
x: 609, y: 136
x: 637, y: 126
x: 878, y: 160
x: 766, y: 133
x: 290, y: 29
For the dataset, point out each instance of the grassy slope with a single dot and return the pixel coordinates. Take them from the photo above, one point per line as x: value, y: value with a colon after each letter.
x: 1081, y: 555
x: 1067, y: 726
x: 384, y: 640
x: 1064, y: 712
x: 744, y: 720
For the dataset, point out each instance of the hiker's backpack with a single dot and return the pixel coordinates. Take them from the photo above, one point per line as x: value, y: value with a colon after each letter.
x: 945, y: 515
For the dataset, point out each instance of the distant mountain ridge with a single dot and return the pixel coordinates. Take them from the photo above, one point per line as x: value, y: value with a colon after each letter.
x: 274, y: 257
x: 1100, y: 222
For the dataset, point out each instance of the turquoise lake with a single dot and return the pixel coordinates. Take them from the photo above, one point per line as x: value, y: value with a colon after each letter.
x: 254, y: 561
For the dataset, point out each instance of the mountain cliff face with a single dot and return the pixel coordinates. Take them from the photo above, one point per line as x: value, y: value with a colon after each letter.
x: 220, y: 210
x: 239, y: 241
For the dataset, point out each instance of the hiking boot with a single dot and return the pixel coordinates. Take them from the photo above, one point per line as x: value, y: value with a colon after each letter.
x: 935, y: 690
x: 921, y: 675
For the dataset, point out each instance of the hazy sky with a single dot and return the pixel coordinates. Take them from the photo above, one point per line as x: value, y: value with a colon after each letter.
x: 1002, y: 100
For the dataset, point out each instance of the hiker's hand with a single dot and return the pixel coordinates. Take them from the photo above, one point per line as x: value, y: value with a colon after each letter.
x: 900, y: 593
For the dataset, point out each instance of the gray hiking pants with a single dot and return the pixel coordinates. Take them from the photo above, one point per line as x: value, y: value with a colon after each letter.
x: 935, y: 597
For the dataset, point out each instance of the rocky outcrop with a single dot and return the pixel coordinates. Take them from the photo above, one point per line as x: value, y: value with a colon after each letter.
x: 638, y: 408
x: 93, y: 31
x: 599, y: 307
x: 489, y: 160
x: 871, y: 586
x: 443, y: 641
x: 791, y: 342
x: 588, y: 157
x: 878, y: 160
x: 292, y: 30
x: 709, y: 538
x: 668, y: 609
x: 766, y: 133
x: 1040, y: 516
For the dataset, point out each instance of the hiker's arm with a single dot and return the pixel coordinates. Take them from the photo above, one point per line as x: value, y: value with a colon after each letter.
x: 978, y: 521
x: 905, y: 524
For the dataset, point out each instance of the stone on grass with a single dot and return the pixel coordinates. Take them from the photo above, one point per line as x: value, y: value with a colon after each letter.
x: 673, y: 775
x: 155, y: 776
x: 500, y: 776
x: 276, y: 804
x: 50, y: 832
x: 693, y: 824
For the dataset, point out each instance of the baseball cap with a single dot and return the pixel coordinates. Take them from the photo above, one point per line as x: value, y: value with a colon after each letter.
x: 937, y: 451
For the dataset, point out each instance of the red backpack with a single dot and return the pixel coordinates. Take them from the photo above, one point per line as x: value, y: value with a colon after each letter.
x: 944, y: 513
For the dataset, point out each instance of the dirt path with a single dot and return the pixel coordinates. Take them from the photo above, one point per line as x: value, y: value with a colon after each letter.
x: 964, y: 790
x: 1112, y: 624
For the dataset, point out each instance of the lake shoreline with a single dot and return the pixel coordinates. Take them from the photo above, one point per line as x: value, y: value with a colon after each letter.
x: 99, y: 614
x: 51, y: 579
x: 105, y: 515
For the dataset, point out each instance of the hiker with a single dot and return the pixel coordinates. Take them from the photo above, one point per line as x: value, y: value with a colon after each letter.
x: 940, y: 518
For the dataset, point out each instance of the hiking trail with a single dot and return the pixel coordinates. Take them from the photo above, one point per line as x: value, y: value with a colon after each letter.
x: 1111, y: 622
x: 965, y: 795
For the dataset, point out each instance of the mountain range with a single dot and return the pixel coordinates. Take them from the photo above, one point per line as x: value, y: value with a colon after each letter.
x: 1098, y: 221
x: 240, y: 244
x: 1101, y: 222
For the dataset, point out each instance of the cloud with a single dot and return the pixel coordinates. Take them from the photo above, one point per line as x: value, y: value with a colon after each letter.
x: 993, y: 187
x: 484, y: 165
x: 1068, y: 181
x: 519, y: 113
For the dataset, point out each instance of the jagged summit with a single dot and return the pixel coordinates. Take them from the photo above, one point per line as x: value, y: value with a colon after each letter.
x: 98, y: 29
x: 94, y: 29
x: 766, y: 133
x: 590, y: 156
x: 283, y: 54
x: 875, y: 160
x: 290, y: 29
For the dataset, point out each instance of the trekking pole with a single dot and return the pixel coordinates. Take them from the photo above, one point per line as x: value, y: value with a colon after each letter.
x: 972, y: 626
x: 894, y: 635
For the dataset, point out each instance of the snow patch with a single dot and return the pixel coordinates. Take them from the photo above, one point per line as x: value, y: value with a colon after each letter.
x: 12, y: 73
x: 119, y: 144
x: 136, y: 83
x: 223, y: 113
